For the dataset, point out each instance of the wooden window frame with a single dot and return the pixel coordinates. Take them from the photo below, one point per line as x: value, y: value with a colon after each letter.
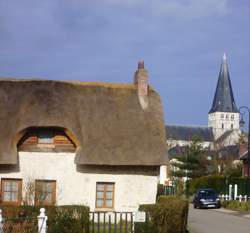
x: 53, y: 193
x: 19, y: 201
x: 104, y: 195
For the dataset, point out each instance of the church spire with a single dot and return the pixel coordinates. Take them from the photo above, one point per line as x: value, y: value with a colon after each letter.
x: 224, y: 98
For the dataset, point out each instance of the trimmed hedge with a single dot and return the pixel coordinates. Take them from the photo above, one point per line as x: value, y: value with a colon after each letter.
x: 61, y: 219
x: 220, y: 184
x: 236, y: 205
x: 168, y: 215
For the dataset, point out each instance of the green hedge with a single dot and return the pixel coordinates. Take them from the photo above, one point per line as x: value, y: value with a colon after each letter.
x: 168, y: 215
x: 61, y: 219
x: 236, y: 205
x: 220, y: 184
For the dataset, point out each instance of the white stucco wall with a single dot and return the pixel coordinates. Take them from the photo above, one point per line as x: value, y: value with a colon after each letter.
x: 215, y: 120
x: 77, y: 184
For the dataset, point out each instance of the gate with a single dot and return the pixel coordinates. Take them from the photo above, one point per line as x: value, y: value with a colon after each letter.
x: 111, y: 222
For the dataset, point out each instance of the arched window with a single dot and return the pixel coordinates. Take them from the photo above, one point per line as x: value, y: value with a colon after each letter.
x: 227, y: 116
x: 222, y: 126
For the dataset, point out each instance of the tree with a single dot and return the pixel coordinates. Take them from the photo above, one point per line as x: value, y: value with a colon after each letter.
x: 190, y: 162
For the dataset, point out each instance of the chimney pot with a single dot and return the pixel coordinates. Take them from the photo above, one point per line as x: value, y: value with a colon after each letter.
x: 141, y: 64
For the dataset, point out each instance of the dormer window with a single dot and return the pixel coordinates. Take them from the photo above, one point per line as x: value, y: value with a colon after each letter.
x: 46, y: 139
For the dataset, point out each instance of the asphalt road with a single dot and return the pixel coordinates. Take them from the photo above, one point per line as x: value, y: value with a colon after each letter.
x: 216, y: 221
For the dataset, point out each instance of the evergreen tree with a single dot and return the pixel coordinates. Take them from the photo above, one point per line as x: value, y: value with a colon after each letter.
x: 190, y: 162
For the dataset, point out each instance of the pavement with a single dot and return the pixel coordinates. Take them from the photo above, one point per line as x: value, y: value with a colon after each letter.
x: 218, y: 221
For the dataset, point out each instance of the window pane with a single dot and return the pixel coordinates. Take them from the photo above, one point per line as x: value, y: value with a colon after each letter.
x: 7, y: 196
x: 48, y: 197
x: 48, y: 187
x: 45, y: 137
x: 14, y: 196
x: 109, y: 203
x: 100, y: 194
x: 110, y: 187
x: 99, y: 203
x: 100, y: 187
x: 109, y: 195
x: 7, y: 186
x: 14, y: 186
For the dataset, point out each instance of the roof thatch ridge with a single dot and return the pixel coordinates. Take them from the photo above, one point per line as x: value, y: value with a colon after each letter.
x: 78, y: 82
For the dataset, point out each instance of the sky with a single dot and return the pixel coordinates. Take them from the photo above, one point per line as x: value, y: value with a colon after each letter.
x: 181, y: 41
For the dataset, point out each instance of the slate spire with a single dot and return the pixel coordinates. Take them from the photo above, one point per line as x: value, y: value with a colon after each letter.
x: 224, y: 98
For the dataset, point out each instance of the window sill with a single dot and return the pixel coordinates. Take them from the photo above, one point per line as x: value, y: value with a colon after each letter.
x: 104, y: 209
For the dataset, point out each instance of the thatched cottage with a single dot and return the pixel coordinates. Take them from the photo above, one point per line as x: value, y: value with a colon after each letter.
x: 98, y: 144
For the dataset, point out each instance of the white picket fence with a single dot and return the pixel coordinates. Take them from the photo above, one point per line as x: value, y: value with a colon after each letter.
x: 42, y: 221
x: 233, y: 195
x: 239, y: 198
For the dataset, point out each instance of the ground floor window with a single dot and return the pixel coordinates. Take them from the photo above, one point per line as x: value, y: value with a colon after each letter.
x: 45, y: 192
x: 105, y: 194
x: 11, y: 191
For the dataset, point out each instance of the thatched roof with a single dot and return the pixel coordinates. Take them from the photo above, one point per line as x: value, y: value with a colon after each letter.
x: 105, y: 120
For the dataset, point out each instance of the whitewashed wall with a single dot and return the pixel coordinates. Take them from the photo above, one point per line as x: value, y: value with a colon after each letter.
x: 215, y: 120
x: 77, y: 184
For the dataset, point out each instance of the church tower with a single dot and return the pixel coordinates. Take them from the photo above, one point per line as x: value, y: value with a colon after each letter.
x: 224, y: 115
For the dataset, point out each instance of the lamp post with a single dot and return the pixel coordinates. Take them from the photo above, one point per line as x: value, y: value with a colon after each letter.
x: 242, y: 123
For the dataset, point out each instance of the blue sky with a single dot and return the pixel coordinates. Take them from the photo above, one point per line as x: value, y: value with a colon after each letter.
x: 181, y: 41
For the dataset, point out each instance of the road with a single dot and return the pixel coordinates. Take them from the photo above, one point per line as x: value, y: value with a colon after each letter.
x: 216, y: 221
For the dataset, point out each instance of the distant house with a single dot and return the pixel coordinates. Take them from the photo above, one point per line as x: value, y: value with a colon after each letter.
x: 243, y: 155
x: 98, y: 144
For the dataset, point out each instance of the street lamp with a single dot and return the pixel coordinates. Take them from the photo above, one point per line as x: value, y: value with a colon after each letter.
x: 242, y: 123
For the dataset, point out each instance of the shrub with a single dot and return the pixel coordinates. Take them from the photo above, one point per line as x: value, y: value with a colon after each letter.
x: 220, y: 184
x: 61, y: 219
x: 236, y: 205
x: 168, y: 215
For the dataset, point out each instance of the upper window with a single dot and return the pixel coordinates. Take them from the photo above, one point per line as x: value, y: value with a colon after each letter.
x: 232, y: 117
x: 11, y: 191
x: 227, y: 116
x: 105, y: 195
x: 222, y: 116
x: 45, y: 192
x: 45, y: 137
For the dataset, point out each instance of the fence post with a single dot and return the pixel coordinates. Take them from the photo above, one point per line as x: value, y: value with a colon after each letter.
x: 42, y: 221
x: 240, y: 198
x: 245, y: 197
x: 1, y: 222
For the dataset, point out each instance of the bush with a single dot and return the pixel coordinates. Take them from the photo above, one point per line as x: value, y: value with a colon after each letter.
x: 220, y: 184
x: 236, y: 205
x: 61, y: 219
x: 168, y: 215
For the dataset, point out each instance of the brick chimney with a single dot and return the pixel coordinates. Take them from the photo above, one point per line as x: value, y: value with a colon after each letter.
x: 141, y: 81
